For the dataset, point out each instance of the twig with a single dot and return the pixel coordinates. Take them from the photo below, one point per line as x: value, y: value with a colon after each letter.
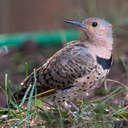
x: 115, y: 81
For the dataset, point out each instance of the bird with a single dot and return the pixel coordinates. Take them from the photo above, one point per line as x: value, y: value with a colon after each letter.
x: 78, y: 66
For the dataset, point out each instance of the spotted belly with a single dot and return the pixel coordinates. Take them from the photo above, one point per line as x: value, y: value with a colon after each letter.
x: 92, y: 80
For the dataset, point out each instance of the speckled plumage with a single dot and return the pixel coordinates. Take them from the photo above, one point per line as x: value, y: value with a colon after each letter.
x: 79, y: 65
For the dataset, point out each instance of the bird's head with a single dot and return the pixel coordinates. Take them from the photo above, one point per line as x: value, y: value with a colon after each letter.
x: 95, y: 28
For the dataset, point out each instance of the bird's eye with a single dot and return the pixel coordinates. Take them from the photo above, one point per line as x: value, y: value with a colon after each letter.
x: 94, y: 24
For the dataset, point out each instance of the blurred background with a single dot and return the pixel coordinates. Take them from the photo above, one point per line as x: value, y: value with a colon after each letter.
x: 48, y: 15
x: 31, y: 15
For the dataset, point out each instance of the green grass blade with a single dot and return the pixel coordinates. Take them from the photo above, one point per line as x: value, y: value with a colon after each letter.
x: 32, y: 92
x: 21, y: 121
x: 61, y: 118
x: 125, y: 68
x: 6, y: 89
x: 25, y: 95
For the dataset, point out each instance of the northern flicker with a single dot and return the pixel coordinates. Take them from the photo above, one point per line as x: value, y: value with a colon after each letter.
x: 78, y: 66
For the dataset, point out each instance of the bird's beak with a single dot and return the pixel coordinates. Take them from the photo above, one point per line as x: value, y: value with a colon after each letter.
x: 77, y: 23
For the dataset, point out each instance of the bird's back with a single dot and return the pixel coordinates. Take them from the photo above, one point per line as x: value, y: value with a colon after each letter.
x: 64, y: 67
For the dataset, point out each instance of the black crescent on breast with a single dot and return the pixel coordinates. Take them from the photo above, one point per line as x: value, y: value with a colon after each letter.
x: 105, y: 63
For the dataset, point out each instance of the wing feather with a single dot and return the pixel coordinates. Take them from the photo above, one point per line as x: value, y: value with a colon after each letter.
x: 64, y: 67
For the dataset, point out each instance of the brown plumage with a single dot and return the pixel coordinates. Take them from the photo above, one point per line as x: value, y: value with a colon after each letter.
x: 79, y: 65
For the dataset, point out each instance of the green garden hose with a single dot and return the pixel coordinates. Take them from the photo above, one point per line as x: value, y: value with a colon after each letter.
x: 51, y: 37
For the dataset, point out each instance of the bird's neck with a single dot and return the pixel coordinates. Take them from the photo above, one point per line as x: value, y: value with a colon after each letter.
x: 101, y: 48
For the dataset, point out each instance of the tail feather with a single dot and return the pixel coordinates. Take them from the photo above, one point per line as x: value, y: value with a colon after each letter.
x: 30, y: 79
x: 41, y: 90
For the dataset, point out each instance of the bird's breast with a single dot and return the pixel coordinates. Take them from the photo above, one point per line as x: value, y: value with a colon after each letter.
x: 94, y: 78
